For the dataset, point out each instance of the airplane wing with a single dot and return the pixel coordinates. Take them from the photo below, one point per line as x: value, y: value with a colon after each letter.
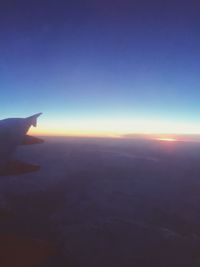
x: 13, y: 132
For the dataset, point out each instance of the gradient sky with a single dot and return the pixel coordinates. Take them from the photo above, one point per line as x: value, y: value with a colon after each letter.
x: 101, y: 67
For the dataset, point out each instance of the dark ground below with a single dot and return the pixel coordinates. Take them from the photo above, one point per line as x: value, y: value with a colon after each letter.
x: 106, y: 202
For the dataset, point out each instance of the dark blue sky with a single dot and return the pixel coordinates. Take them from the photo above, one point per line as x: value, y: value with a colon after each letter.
x: 102, y: 66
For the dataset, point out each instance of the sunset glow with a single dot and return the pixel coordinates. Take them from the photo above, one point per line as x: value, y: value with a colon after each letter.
x: 113, y: 127
x: 166, y: 139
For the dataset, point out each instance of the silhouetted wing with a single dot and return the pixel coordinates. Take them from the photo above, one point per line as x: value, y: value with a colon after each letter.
x: 12, y: 134
x: 31, y: 140
x: 18, y: 167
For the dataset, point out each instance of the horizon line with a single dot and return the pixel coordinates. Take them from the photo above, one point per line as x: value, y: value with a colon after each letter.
x: 190, y: 137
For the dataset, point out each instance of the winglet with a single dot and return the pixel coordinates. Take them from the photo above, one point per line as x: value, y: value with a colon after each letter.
x: 33, y: 119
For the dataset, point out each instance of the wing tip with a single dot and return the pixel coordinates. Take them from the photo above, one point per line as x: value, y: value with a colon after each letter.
x: 36, y: 115
x: 33, y: 119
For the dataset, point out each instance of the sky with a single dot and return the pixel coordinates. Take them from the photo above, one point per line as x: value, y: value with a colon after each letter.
x: 106, y: 68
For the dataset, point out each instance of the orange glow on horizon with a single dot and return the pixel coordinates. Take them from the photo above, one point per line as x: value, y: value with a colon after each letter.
x: 103, y: 134
x: 117, y: 128
x: 112, y: 135
x: 167, y: 139
x: 73, y: 134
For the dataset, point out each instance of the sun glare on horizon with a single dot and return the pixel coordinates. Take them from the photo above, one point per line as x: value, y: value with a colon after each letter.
x: 166, y: 139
